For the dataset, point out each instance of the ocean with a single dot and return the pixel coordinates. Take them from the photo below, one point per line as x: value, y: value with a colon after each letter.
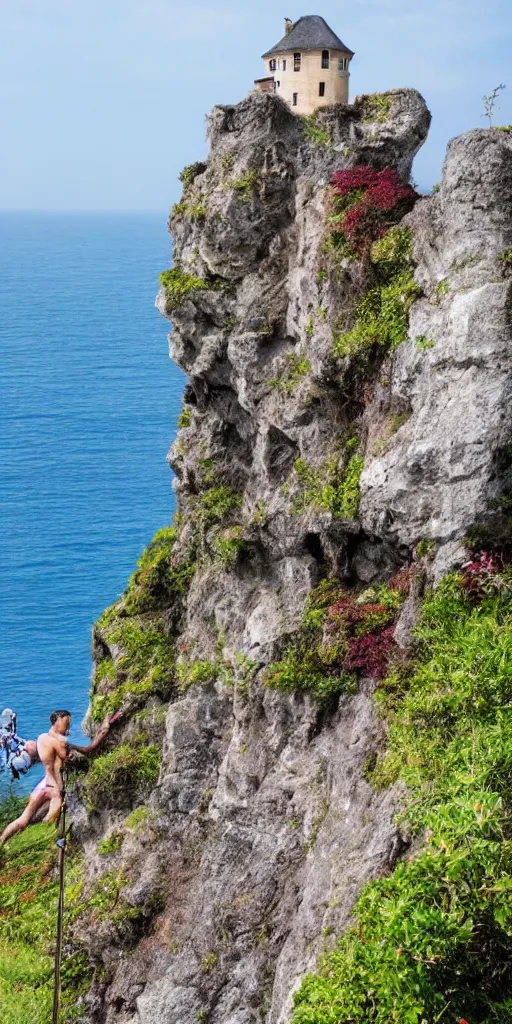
x: 88, y: 407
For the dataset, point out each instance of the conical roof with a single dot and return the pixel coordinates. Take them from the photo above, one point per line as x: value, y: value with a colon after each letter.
x: 309, y: 33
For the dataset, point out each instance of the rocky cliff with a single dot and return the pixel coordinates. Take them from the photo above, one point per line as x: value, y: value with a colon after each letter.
x: 346, y: 426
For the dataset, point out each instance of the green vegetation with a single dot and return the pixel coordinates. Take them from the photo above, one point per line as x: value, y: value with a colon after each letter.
x: 28, y: 914
x: 426, y: 547
x: 118, y: 776
x: 332, y: 486
x: 188, y: 175
x: 505, y: 258
x: 196, y: 673
x: 422, y: 342
x: 244, y: 186
x: 227, y: 545
x: 157, y: 577
x: 179, y: 285
x: 308, y: 664
x: 382, y: 316
x: 376, y: 107
x: 146, y: 667
x: 185, y: 417
x: 433, y: 942
x: 112, y: 844
x: 442, y: 289
x: 139, y: 819
x: 316, y: 131
x: 294, y: 371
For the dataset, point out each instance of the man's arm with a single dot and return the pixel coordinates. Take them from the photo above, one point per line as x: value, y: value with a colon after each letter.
x: 96, y: 742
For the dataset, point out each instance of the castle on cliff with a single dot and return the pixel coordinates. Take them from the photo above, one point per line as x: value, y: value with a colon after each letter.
x: 308, y: 67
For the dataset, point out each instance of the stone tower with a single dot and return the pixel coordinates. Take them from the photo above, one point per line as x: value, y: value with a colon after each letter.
x: 309, y: 66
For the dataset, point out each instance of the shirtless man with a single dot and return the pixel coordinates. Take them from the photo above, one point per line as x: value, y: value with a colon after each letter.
x: 53, y: 749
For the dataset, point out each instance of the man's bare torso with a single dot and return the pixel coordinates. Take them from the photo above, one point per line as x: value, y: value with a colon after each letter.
x: 50, y: 749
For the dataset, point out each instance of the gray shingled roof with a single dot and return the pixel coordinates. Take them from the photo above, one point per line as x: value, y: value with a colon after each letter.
x: 309, y: 33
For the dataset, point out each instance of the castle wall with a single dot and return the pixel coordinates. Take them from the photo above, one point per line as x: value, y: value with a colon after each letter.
x: 306, y: 82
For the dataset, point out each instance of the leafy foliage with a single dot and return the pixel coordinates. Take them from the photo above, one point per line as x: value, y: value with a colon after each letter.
x: 433, y: 942
x: 146, y: 666
x: 366, y: 203
x: 377, y: 107
x: 382, y: 316
x: 341, y: 634
x: 317, y: 132
x: 332, y: 486
x: 179, y: 285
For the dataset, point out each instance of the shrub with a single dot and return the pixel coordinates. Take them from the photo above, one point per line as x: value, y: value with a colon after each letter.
x: 434, y: 940
x: 366, y: 203
x: 179, y: 286
x: 185, y: 417
x: 188, y: 175
x: 341, y: 634
x: 215, y: 504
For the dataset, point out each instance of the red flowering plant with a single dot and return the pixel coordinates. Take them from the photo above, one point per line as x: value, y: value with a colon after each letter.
x: 365, y: 204
x: 486, y: 575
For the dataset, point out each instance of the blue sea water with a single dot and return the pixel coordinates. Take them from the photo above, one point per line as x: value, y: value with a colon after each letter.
x: 88, y: 408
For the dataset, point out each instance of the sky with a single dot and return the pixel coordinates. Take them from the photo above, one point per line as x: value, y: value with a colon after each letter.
x: 102, y: 103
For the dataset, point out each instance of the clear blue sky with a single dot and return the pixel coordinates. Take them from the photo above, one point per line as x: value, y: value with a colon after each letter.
x: 103, y: 101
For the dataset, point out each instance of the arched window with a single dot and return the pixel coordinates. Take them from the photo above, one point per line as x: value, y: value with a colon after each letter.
x: 272, y: 64
x: 297, y: 58
x: 325, y: 59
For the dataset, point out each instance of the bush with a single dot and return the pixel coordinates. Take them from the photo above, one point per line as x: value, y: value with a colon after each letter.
x: 434, y: 940
x: 146, y: 667
x: 178, y: 286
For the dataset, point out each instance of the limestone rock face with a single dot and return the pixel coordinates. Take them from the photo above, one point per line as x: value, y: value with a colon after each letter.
x: 262, y: 829
x: 448, y: 461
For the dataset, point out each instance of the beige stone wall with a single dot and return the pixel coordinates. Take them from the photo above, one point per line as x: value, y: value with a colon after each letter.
x: 306, y: 82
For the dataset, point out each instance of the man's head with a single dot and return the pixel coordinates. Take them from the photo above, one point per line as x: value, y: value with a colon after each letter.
x: 61, y: 721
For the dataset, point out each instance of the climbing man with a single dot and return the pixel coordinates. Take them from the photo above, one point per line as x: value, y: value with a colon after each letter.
x: 53, y: 749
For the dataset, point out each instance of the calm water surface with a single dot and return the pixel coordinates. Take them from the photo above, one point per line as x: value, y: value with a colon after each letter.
x: 88, y: 408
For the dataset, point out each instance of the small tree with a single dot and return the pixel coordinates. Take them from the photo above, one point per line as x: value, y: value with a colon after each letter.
x: 490, y: 103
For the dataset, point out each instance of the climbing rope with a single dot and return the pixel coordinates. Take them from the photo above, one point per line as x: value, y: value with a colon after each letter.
x: 61, y: 844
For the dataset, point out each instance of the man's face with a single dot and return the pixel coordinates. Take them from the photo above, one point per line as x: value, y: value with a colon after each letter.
x: 62, y: 725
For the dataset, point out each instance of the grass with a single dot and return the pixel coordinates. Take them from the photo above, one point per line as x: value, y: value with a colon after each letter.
x: 120, y: 775
x: 28, y: 919
x: 146, y: 667
x: 433, y: 941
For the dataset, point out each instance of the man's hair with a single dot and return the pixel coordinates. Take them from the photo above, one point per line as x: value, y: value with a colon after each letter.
x: 55, y: 715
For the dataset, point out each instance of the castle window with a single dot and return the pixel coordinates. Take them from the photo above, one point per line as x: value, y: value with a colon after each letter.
x: 295, y: 99
x: 283, y: 65
x: 297, y: 58
x: 343, y: 64
x: 325, y: 59
x: 321, y: 89
x: 272, y: 65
